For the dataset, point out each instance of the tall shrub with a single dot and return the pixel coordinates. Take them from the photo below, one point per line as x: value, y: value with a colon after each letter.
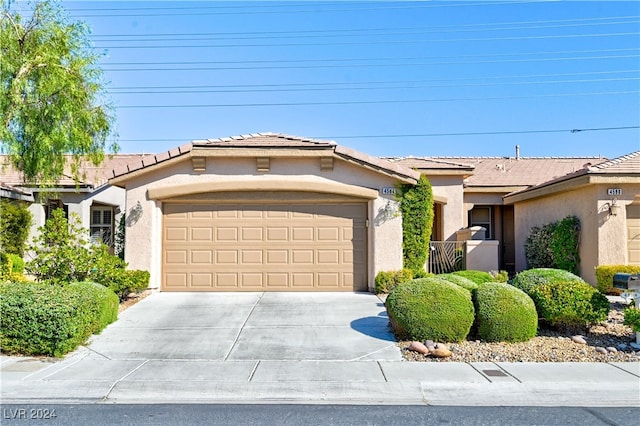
x: 416, y: 205
x: 555, y: 245
x: 15, y: 222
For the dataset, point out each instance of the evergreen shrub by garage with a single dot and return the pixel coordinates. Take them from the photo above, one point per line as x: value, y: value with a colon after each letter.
x: 530, y: 278
x: 386, y: 281
x: 459, y: 280
x: 605, y: 273
x: 430, y: 309
x: 477, y: 277
x: 504, y: 314
x: 45, y: 319
x: 569, y: 303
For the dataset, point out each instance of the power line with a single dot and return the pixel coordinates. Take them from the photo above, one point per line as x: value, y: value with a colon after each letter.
x: 507, y: 132
x: 326, y: 34
x: 411, y: 58
x: 558, y: 36
x: 328, y: 89
x: 501, y: 77
x: 383, y: 65
x: 423, y: 135
x: 314, y: 10
x: 387, y: 101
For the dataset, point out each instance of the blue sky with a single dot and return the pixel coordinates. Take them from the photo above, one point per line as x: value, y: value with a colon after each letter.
x: 369, y: 74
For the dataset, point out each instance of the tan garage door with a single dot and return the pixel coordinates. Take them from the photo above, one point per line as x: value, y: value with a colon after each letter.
x: 274, y: 247
x: 633, y: 233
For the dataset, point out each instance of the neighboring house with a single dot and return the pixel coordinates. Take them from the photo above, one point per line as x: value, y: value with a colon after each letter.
x: 263, y: 212
x: 96, y: 203
x: 470, y: 191
x: 606, y: 199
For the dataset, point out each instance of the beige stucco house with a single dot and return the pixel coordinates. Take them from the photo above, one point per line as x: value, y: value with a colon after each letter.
x: 263, y: 212
x: 96, y: 203
x: 606, y: 199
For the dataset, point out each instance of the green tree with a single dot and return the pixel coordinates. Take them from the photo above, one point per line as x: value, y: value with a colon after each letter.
x: 416, y: 205
x: 52, y: 101
x: 15, y: 222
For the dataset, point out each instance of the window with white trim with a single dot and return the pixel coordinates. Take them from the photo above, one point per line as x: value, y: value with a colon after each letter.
x: 102, y: 225
x: 481, y: 216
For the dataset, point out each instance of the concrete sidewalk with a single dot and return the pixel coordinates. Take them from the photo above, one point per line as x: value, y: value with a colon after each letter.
x: 86, y: 377
x: 294, y: 348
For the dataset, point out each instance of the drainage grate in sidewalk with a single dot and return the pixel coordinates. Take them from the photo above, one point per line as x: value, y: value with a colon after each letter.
x: 494, y: 373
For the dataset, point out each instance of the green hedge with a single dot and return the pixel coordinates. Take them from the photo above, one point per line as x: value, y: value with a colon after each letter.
x: 459, y: 280
x: 386, y: 281
x: 430, y: 308
x: 45, y: 319
x: 555, y: 245
x: 416, y: 206
x: 504, y: 313
x: 605, y: 273
x: 570, y: 304
x: 478, y: 277
x: 530, y: 278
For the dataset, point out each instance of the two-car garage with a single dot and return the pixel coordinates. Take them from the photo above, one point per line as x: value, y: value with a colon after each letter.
x: 258, y: 247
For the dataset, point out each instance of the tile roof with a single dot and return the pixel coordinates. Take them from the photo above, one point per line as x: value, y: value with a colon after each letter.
x: 95, y: 176
x: 428, y: 163
x: 629, y: 163
x: 270, y: 140
x: 508, y: 171
x: 264, y: 140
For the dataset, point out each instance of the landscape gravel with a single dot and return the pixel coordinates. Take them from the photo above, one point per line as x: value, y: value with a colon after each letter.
x: 606, y: 342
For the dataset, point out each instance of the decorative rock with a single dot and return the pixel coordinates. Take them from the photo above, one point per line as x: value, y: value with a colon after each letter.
x: 441, y: 353
x: 441, y: 345
x: 431, y: 348
x: 635, y: 346
x: 601, y: 350
x: 418, y: 347
x: 582, y: 352
x: 579, y: 339
x: 428, y: 343
x: 612, y: 349
x: 622, y: 347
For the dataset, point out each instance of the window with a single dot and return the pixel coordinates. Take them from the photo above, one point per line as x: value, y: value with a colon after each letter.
x: 102, y: 225
x: 481, y: 216
x: 52, y: 205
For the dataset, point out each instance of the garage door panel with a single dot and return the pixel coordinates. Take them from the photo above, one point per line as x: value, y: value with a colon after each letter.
x: 201, y: 234
x: 176, y: 234
x: 277, y: 257
x: 277, y: 234
x: 204, y: 257
x: 265, y: 247
x: 252, y: 234
x: 202, y: 280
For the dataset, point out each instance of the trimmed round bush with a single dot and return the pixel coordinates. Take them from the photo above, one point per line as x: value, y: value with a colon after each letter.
x: 477, y: 277
x: 526, y: 280
x: 459, y: 280
x: 430, y: 309
x: 504, y: 314
x: 569, y: 304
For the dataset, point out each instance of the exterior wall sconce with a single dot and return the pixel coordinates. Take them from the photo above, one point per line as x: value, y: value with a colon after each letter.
x: 134, y: 215
x: 389, y: 211
x: 613, y: 207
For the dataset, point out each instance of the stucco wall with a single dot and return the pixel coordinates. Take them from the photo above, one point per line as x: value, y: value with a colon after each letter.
x: 144, y: 235
x: 603, y: 238
x: 454, y: 216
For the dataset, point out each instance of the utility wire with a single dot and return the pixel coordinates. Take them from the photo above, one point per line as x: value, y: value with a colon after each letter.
x: 329, y: 89
x: 315, y: 9
x: 411, y: 58
x: 377, y: 42
x: 500, y: 78
x: 387, y: 101
x: 326, y: 34
x: 424, y: 135
x: 360, y: 65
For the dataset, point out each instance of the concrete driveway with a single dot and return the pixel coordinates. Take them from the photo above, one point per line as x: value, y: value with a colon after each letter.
x: 250, y: 326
